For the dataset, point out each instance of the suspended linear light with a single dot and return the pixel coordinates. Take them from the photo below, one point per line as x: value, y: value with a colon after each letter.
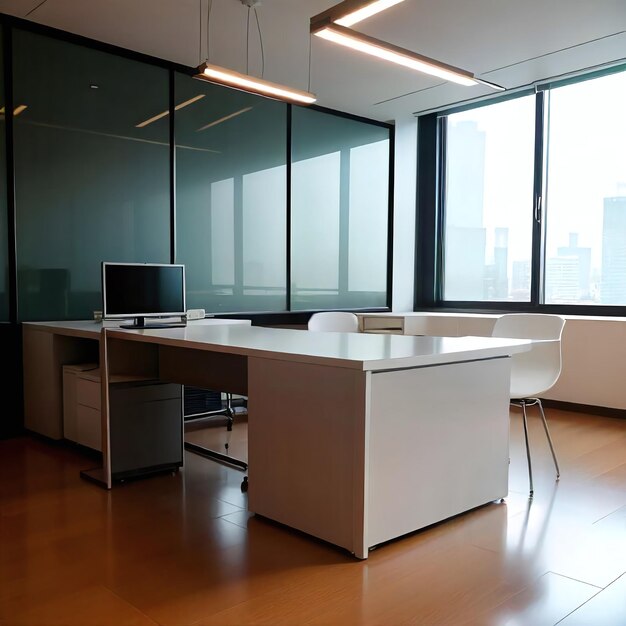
x: 352, y: 11
x: 245, y: 82
x: 394, y: 54
x: 332, y: 25
x: 388, y: 52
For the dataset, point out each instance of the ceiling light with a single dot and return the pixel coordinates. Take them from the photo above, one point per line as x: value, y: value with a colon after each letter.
x: 352, y: 11
x: 388, y: 52
x: 224, y: 119
x: 223, y: 76
x: 182, y: 105
x: 332, y: 26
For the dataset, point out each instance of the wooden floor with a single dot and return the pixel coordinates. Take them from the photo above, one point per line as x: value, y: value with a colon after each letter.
x: 183, y: 550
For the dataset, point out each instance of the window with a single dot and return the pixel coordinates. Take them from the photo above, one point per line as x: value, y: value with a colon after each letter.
x: 488, y: 202
x: 532, y: 196
x: 586, y: 193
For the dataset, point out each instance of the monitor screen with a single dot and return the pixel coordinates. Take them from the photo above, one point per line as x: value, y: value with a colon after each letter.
x: 142, y: 289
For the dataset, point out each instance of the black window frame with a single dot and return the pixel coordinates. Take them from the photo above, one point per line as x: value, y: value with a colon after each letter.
x: 429, y: 271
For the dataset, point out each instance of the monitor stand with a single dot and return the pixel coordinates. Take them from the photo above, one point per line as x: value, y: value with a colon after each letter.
x: 139, y: 323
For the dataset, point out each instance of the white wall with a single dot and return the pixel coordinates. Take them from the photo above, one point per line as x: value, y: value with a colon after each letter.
x: 594, y: 353
x: 405, y: 186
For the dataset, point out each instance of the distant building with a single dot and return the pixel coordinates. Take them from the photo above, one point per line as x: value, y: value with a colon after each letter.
x: 584, y: 264
x: 562, y: 279
x: 613, y: 281
x: 501, y: 267
x: 520, y: 280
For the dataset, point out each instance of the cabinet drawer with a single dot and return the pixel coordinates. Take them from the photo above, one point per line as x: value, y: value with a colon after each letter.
x: 89, y: 427
x: 125, y: 394
x: 88, y: 393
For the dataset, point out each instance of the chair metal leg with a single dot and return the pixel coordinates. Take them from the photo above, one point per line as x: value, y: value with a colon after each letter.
x: 530, y: 469
x: 545, y: 426
x: 230, y: 413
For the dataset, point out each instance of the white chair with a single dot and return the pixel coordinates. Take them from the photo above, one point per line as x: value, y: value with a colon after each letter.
x: 334, y: 321
x: 536, y: 371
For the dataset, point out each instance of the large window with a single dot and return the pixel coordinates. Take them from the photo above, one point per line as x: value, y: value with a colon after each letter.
x: 91, y: 181
x: 488, y: 202
x: 339, y: 204
x: 533, y: 199
x: 231, y: 197
x: 586, y: 193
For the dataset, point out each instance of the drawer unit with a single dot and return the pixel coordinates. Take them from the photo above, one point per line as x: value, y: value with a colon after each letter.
x: 72, y: 384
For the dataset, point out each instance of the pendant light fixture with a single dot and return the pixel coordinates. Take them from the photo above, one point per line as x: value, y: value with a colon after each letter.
x: 245, y: 82
x: 332, y: 25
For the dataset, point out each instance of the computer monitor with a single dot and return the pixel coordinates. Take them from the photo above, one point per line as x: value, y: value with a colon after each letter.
x: 143, y: 290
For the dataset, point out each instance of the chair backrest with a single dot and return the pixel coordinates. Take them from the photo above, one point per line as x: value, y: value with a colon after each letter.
x: 535, y: 371
x: 334, y: 321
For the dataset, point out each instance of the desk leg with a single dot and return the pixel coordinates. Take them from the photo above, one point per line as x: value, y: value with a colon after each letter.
x: 102, y: 475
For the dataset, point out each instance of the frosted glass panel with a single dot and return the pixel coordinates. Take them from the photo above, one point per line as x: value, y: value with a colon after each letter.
x: 92, y: 182
x: 367, y: 264
x: 264, y: 259
x: 231, y: 186
x: 223, y: 232
x: 339, y: 206
x: 316, y: 268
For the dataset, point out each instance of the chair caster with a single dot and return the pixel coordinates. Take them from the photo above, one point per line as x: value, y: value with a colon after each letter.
x: 226, y: 447
x: 244, y: 484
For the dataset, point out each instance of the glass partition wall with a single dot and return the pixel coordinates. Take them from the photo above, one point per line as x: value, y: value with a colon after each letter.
x: 233, y: 206
x: 91, y: 176
x: 231, y: 197
x: 119, y: 157
x: 339, y: 209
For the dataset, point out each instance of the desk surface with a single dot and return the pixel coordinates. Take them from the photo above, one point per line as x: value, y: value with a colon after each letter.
x: 349, y: 350
x: 91, y: 329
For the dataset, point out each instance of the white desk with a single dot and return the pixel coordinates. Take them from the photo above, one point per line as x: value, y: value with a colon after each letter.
x: 353, y: 438
x: 47, y: 346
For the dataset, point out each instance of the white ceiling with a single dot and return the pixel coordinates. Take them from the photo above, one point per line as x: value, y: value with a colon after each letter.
x: 509, y: 42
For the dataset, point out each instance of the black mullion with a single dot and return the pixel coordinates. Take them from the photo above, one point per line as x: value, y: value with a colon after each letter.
x: 172, y: 148
x: 426, y: 227
x: 7, y: 38
x: 288, y: 210
x: 441, y: 170
x: 536, y: 278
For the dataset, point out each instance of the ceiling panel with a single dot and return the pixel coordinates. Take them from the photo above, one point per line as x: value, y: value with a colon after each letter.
x: 506, y: 41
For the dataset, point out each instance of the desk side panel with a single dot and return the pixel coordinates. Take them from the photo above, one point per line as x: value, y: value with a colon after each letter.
x: 44, y: 356
x: 438, y: 444
x: 306, y: 429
